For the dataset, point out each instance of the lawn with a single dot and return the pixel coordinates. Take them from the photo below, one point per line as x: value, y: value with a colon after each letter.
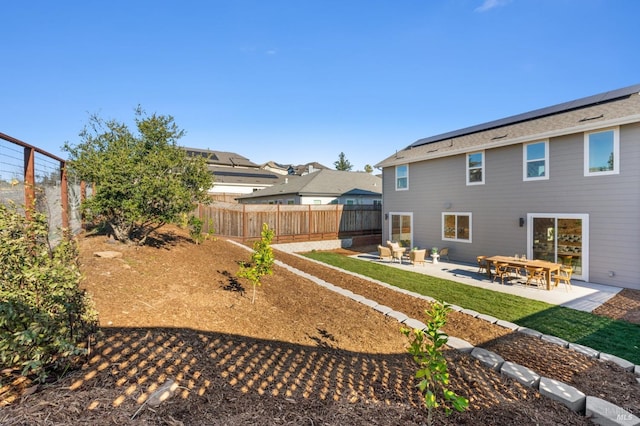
x: 600, y: 333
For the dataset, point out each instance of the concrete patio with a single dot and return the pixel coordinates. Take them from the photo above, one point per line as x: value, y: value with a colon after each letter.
x: 582, y: 296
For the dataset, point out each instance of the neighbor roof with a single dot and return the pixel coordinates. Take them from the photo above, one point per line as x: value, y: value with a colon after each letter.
x: 324, y: 182
x: 222, y: 158
x: 244, y: 176
x: 606, y: 109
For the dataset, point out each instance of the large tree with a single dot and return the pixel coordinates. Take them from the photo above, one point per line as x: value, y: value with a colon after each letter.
x: 343, y: 164
x: 143, y: 180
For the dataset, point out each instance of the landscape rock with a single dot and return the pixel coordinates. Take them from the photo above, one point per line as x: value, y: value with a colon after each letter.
x: 109, y: 254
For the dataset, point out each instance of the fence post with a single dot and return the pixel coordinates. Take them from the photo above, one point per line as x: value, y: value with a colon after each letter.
x: 29, y: 181
x: 64, y: 194
x: 244, y: 223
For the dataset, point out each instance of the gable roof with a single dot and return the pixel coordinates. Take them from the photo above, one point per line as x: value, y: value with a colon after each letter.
x: 611, y: 108
x: 331, y: 183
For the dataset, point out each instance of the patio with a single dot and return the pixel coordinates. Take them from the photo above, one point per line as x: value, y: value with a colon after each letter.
x: 582, y: 296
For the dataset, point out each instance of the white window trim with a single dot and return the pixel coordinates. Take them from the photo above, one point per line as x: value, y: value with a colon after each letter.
x: 456, y: 214
x: 525, y: 161
x: 390, y: 226
x: 585, y: 237
x: 396, y: 181
x: 482, y: 168
x: 616, y: 152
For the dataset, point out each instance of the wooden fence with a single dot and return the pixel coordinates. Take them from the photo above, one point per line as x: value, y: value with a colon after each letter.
x: 291, y: 222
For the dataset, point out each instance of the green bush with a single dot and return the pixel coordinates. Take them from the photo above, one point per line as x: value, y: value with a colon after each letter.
x: 44, y: 316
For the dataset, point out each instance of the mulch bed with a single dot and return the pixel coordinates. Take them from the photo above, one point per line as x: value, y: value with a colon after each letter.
x: 300, y: 355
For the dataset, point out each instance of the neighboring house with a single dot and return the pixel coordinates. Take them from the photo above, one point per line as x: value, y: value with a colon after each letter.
x: 305, y: 169
x: 559, y: 183
x: 289, y: 169
x: 234, y: 175
x: 321, y: 187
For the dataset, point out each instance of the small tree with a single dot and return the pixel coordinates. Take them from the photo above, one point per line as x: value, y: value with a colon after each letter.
x: 143, y: 180
x: 368, y: 168
x: 426, y: 348
x: 343, y: 164
x: 261, y: 260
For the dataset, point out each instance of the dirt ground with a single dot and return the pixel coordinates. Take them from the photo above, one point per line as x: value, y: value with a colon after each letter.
x: 299, y: 355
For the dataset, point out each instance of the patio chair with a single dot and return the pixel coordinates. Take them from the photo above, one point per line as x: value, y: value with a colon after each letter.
x: 482, y: 265
x: 417, y: 256
x: 535, y: 276
x: 444, y: 252
x: 384, y: 253
x: 564, y: 276
x: 396, y: 251
x: 502, y: 270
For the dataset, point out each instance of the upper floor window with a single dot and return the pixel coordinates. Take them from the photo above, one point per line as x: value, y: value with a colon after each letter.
x: 475, y: 168
x: 456, y: 227
x: 602, y: 152
x: 402, y: 177
x: 536, y: 160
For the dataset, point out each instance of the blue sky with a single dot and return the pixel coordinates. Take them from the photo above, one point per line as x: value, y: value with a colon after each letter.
x: 296, y: 81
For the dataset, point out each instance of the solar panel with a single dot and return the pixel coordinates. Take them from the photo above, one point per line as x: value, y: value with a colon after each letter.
x: 531, y: 115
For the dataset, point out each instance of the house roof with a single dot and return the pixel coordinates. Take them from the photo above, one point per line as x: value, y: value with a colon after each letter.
x: 331, y: 183
x: 611, y: 108
x: 243, y: 176
x: 303, y: 169
x: 222, y: 158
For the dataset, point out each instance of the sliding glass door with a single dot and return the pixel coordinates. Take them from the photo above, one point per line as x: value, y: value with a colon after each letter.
x: 401, y: 228
x: 560, y: 238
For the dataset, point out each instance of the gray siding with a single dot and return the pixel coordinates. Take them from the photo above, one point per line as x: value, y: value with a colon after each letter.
x: 612, y: 203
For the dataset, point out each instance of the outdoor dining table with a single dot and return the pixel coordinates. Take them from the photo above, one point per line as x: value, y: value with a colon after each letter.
x: 548, y: 267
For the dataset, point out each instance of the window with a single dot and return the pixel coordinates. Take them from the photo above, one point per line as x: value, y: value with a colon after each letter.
x: 601, y: 152
x: 377, y: 203
x: 290, y: 201
x: 349, y: 202
x: 402, y: 177
x: 536, y: 158
x: 475, y: 168
x: 456, y: 227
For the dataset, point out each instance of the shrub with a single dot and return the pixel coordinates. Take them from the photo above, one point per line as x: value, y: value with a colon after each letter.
x: 44, y: 316
x: 196, y: 225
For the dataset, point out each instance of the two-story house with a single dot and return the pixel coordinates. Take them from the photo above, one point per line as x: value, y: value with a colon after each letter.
x: 560, y: 183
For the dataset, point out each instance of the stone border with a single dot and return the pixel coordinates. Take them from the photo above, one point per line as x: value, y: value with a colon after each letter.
x: 598, y: 410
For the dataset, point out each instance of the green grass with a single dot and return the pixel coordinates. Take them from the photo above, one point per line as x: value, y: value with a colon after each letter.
x: 615, y: 337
